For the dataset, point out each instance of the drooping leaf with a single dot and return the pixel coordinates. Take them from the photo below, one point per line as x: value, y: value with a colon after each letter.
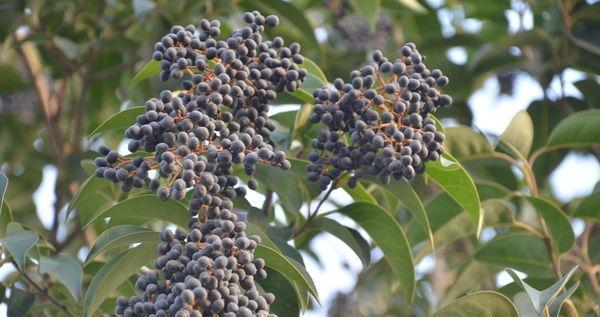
x: 114, y: 273
x: 349, y: 236
x: 119, y: 236
x: 287, y: 302
x: 66, y: 270
x: 559, y: 226
x: 589, y: 208
x: 18, y: 242
x: 556, y: 305
x: 455, y: 181
x: 292, y: 271
x: 479, y: 304
x: 519, y: 133
x: 145, y: 207
x: 89, y: 188
x: 577, y: 130
x: 151, y: 69
x: 120, y: 120
x: 389, y: 236
x: 520, y: 250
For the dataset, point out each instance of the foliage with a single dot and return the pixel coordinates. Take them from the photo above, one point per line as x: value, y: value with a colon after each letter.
x: 74, y: 75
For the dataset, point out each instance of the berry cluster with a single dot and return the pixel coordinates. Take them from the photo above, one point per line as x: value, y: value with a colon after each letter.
x: 203, y: 273
x: 194, y: 137
x: 378, y: 123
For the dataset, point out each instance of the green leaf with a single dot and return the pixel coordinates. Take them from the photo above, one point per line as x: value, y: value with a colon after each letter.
x: 359, y: 193
x: 542, y: 299
x: 5, y: 218
x: 288, y: 299
x: 577, y: 130
x: 19, y: 302
x: 369, y: 10
x: 65, y: 269
x: 148, y: 207
x: 302, y: 95
x: 589, y: 208
x: 455, y: 181
x: 519, y: 133
x: 114, y: 273
x: 11, y: 79
x: 559, y: 226
x: 409, y: 198
x: 18, y: 242
x: 479, y: 304
x: 89, y: 188
x: 121, y: 120
x: 520, y: 250
x: 151, y: 69
x: 351, y: 237
x: 291, y: 269
x: 470, y: 278
x: 389, y: 236
x: 590, y: 88
x: 464, y: 142
x: 119, y: 236
x: 314, y: 70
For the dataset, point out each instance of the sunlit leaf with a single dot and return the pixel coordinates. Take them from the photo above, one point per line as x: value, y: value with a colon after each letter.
x: 151, y: 69
x: 519, y: 133
x: 484, y: 303
x: 119, y: 121
x: 119, y: 236
x: 65, y: 269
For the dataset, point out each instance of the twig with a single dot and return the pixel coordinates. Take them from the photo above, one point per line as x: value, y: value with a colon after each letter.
x: 268, y: 203
x: 44, y: 292
x: 314, y: 213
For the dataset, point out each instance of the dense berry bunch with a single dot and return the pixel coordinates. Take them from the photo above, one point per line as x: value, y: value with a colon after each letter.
x: 194, y: 137
x: 208, y: 272
x: 377, y: 124
x: 218, y: 119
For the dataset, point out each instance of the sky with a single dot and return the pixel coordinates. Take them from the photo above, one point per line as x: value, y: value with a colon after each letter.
x: 492, y: 113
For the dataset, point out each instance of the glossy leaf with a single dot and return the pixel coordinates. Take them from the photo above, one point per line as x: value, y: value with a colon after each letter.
x: 349, y: 236
x: 464, y: 142
x: 413, y: 5
x: 151, y: 69
x: 455, y: 181
x: 314, y: 70
x: 120, y: 236
x: 114, y: 273
x: 146, y: 207
x: 66, y: 270
x: 559, y: 226
x: 519, y: 250
x: 589, y: 208
x: 287, y: 302
x: 576, y: 130
x: 519, y: 133
x: 389, y: 236
x: 18, y: 242
x: 292, y: 271
x: 120, y: 120
x: 89, y: 188
x: 478, y: 304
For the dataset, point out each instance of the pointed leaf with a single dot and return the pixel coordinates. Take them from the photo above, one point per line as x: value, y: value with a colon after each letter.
x: 369, y: 10
x: 314, y: 70
x: 66, y: 270
x: 148, y: 207
x: 120, y: 236
x: 577, y: 130
x: 413, y: 5
x: 89, y: 187
x: 3, y: 186
x: 455, y: 181
x: 5, y: 219
x: 519, y: 133
x: 289, y: 268
x: 18, y: 242
x: 556, y: 305
x: 463, y: 142
x: 589, y: 208
x: 561, y: 231
x: 120, y: 120
x: 389, y: 236
x: 288, y: 299
x: 349, y: 236
x: 114, y: 273
x: 520, y: 250
x: 479, y: 304
x: 151, y: 69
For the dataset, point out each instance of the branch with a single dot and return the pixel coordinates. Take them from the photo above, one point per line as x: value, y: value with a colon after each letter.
x: 268, y: 203
x: 314, y: 214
